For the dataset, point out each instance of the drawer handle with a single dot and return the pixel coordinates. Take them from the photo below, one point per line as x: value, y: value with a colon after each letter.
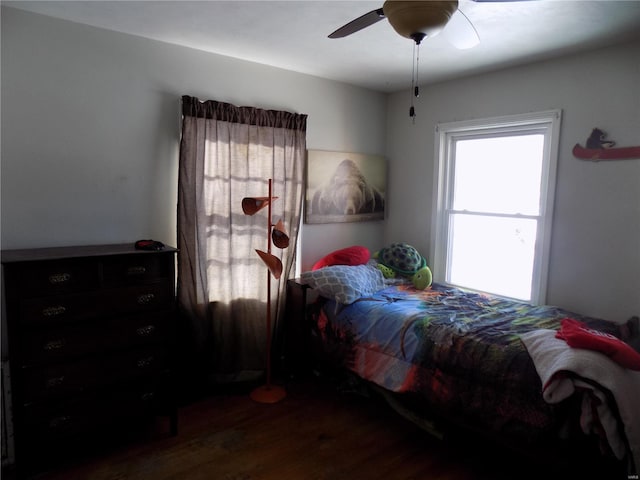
x: 145, y: 362
x: 55, y: 382
x: 145, y: 331
x: 59, y: 278
x: 54, y: 311
x: 59, y: 422
x: 138, y: 270
x: 145, y: 397
x: 146, y: 299
x: 54, y: 345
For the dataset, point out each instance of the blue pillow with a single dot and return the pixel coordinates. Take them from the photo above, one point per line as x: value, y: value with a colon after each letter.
x: 345, y: 284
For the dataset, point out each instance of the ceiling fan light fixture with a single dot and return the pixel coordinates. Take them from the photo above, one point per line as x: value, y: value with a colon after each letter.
x: 409, y: 18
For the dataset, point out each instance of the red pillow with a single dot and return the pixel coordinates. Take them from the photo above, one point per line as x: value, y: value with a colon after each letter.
x: 578, y: 335
x: 355, y: 255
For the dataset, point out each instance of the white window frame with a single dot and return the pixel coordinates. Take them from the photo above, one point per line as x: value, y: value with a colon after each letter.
x: 546, y: 123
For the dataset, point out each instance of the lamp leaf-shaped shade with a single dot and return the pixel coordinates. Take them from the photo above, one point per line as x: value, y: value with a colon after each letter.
x: 252, y: 205
x: 279, y: 235
x: 272, y: 262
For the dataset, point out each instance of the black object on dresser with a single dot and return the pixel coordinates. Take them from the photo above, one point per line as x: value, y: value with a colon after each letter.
x: 90, y: 333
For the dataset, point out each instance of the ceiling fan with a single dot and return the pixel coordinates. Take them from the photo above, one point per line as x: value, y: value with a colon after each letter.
x: 417, y: 20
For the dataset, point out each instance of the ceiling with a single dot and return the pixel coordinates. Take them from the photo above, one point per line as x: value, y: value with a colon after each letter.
x: 293, y: 34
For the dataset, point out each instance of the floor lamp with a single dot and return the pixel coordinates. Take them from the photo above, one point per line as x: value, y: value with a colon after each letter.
x: 268, y: 393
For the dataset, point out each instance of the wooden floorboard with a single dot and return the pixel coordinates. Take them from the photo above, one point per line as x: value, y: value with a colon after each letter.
x: 317, y: 433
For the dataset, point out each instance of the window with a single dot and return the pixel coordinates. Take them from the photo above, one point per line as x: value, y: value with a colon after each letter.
x: 495, y: 185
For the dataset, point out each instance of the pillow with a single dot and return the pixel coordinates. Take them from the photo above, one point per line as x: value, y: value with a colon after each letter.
x: 355, y: 255
x: 578, y: 335
x: 345, y: 284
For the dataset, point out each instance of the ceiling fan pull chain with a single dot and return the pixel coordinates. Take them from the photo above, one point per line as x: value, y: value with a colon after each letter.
x: 412, y: 110
x: 416, y: 90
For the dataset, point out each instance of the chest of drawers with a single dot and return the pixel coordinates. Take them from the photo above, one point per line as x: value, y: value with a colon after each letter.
x: 90, y: 334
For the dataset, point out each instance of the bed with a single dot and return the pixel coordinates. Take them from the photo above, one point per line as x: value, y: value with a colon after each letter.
x: 458, y: 355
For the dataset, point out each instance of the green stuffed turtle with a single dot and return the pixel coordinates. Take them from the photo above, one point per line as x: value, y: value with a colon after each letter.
x: 403, y: 259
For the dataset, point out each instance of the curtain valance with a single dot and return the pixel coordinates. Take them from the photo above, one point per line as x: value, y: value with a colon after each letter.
x: 226, y: 112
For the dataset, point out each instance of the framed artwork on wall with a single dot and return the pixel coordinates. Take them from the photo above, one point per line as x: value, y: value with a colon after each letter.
x: 344, y: 187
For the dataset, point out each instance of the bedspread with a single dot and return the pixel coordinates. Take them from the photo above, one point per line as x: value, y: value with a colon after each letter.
x: 461, y: 351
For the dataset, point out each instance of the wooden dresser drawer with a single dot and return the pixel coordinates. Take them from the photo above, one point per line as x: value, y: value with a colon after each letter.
x: 59, y: 308
x: 58, y: 277
x: 61, y: 380
x: 145, y: 298
x: 56, y: 421
x: 134, y: 364
x: 53, y: 345
x: 127, y: 269
x: 138, y: 330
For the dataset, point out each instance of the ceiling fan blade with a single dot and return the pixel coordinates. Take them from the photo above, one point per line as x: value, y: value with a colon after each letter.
x: 359, y: 23
x: 460, y: 32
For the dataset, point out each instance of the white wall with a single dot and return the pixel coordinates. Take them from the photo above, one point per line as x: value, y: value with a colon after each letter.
x: 90, y: 131
x: 595, y: 249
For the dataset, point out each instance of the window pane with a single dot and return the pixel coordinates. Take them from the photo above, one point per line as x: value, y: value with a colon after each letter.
x: 499, y: 175
x: 493, y: 254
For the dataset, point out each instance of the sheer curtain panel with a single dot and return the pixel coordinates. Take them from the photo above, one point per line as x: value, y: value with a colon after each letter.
x: 228, y: 153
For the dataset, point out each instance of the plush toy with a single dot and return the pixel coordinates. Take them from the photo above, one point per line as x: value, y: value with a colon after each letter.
x: 403, y: 259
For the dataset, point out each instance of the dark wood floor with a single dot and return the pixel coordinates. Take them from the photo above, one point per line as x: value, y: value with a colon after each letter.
x: 319, y: 432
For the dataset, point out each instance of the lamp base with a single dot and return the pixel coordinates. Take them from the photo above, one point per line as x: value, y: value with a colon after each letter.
x: 268, y: 394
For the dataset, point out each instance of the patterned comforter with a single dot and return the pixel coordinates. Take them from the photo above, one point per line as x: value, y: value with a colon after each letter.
x: 460, y: 351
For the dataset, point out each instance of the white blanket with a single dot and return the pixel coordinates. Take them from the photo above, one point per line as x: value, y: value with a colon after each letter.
x: 562, y: 368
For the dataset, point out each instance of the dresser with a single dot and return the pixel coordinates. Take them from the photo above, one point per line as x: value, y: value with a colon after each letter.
x: 90, y: 332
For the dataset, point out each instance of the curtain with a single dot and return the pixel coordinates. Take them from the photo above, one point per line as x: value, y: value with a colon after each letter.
x: 228, y: 153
